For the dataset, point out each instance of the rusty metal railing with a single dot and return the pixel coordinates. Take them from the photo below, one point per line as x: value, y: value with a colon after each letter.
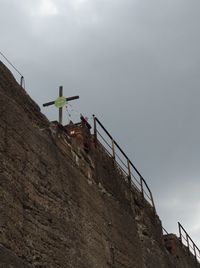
x: 133, y: 176
x: 187, y: 241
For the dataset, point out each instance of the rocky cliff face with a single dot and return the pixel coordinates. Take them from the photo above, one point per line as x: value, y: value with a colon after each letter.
x: 63, y: 207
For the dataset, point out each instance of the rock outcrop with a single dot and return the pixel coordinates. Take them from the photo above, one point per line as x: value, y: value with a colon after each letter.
x: 63, y: 207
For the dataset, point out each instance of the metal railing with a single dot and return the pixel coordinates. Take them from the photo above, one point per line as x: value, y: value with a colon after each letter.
x: 165, y: 232
x: 133, y: 176
x: 22, y: 80
x: 187, y: 241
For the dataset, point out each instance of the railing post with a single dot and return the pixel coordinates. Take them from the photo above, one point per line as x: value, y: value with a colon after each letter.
x: 141, y: 185
x: 188, y: 244
x: 113, y: 149
x: 129, y: 172
x: 95, y: 130
x: 152, y: 201
x: 195, y: 254
x: 180, y: 234
x: 21, y: 81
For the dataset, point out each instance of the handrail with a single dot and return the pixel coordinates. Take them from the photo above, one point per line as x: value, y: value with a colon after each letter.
x: 164, y: 230
x: 141, y: 181
x: 188, y: 241
x: 97, y: 120
x: 22, y: 80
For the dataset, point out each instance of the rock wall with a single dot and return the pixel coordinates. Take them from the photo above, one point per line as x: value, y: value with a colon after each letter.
x: 9, y: 260
x: 62, y: 207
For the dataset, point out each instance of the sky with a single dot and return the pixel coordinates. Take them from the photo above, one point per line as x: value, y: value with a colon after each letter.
x: 135, y: 64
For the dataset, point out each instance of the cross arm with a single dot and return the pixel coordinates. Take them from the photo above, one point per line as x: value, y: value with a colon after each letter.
x: 67, y: 99
x: 72, y: 98
x: 48, y: 103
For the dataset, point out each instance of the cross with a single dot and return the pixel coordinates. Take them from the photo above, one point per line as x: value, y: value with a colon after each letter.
x: 60, y: 102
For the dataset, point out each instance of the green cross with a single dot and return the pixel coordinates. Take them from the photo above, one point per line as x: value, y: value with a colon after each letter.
x: 60, y: 102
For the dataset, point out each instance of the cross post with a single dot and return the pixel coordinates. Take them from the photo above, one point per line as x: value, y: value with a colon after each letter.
x: 60, y: 103
x: 60, y: 109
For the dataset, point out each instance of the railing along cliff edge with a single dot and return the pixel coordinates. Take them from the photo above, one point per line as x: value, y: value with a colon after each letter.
x: 134, y: 177
x: 22, y: 80
x: 187, y: 241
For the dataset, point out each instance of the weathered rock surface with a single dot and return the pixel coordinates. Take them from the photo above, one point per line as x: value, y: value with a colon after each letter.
x: 9, y: 260
x: 61, y: 207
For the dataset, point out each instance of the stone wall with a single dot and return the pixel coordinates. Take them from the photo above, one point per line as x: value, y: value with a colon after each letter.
x: 62, y: 207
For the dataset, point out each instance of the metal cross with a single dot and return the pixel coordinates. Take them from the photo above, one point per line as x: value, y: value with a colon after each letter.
x: 61, y: 97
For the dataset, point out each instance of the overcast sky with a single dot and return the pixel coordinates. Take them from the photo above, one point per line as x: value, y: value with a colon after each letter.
x: 135, y: 64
